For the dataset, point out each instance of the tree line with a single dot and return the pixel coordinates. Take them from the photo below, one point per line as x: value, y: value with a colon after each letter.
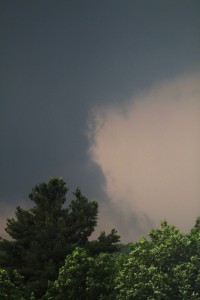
x: 50, y: 256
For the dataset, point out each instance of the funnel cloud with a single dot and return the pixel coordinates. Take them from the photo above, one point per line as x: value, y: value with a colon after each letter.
x: 148, y: 149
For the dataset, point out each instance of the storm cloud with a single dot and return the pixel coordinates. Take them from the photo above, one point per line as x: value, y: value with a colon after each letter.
x: 148, y: 149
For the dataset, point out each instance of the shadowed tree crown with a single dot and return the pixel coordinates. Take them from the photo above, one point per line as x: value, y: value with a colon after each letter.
x: 43, y: 235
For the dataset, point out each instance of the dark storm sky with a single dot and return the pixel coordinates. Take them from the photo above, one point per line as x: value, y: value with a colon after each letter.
x: 59, y: 59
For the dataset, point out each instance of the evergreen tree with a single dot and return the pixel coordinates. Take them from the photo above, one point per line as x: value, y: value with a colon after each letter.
x: 43, y: 235
x: 105, y: 243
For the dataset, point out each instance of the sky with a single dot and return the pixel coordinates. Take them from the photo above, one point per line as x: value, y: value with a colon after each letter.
x: 105, y: 94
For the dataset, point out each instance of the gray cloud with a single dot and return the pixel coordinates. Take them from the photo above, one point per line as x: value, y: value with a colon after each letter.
x: 149, y: 152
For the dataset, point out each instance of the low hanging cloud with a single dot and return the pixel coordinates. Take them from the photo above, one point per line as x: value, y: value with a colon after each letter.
x: 148, y: 149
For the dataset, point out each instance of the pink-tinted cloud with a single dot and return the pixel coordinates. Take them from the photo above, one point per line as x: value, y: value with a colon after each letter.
x: 148, y: 149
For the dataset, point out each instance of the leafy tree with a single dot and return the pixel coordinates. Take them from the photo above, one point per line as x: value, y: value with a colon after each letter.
x: 84, y: 277
x: 11, y: 286
x: 101, y: 277
x: 43, y: 235
x: 71, y: 282
x: 165, y: 267
x: 124, y: 248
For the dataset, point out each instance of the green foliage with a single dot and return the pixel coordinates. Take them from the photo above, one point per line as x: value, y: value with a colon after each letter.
x: 11, y: 286
x: 124, y: 248
x: 43, y: 235
x: 105, y: 243
x: 82, y: 219
x: 84, y: 277
x: 100, y: 277
x: 164, y: 267
x: 51, y: 251
x: 71, y: 283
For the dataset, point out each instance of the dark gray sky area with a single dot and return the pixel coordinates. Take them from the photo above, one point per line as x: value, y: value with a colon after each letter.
x: 62, y: 60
